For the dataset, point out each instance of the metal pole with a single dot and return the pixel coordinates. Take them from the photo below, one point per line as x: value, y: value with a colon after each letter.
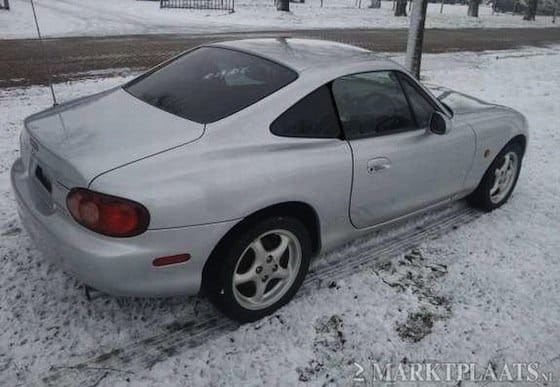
x: 47, y: 63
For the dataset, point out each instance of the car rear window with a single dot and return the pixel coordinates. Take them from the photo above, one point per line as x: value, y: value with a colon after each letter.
x: 210, y: 83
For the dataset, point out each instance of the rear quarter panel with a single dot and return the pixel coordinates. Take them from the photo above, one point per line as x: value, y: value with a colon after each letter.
x: 237, y: 168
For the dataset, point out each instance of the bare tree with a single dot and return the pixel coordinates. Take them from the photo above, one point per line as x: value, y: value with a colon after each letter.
x: 416, y: 37
x: 400, y: 9
x: 283, y: 5
x: 473, y: 8
x: 531, y: 10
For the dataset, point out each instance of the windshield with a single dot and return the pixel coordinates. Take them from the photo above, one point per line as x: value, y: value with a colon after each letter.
x: 209, y: 83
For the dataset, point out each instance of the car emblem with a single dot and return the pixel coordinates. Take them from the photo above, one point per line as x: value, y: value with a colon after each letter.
x: 34, y: 146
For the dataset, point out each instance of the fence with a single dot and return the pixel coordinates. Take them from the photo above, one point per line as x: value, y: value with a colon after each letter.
x: 225, y: 5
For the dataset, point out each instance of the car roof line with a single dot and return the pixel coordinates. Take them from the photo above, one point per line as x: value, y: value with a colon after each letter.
x: 253, y: 53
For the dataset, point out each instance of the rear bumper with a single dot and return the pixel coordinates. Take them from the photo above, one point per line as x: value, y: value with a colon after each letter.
x: 119, y: 266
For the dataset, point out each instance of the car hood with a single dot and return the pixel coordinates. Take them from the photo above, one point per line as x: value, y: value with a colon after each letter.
x: 461, y: 103
x: 84, y: 138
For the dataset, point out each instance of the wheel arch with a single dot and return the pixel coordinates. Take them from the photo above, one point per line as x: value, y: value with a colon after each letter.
x: 520, y: 139
x: 304, y: 212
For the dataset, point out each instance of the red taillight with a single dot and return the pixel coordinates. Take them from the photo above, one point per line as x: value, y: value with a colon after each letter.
x: 106, y: 214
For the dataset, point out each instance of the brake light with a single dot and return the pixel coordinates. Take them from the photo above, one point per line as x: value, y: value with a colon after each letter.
x: 106, y: 214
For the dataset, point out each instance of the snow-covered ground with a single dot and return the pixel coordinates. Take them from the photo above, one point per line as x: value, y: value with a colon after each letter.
x: 118, y: 17
x: 488, y: 292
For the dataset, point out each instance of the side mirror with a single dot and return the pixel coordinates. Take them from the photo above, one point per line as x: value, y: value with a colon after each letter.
x: 439, y: 123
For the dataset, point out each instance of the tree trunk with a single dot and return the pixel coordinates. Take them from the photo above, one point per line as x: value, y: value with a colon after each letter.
x: 473, y: 8
x: 416, y: 37
x: 400, y: 9
x: 7, y: 4
x: 531, y: 10
x: 375, y: 4
x: 283, y: 5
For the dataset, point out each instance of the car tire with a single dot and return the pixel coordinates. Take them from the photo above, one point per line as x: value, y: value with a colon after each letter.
x: 260, y: 269
x: 500, y: 179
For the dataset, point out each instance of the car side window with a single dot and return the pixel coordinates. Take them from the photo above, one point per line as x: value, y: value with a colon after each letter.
x: 312, y: 116
x: 422, y: 107
x: 371, y: 104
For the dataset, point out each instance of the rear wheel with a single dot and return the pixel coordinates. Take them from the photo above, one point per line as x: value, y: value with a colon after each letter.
x: 261, y: 269
x: 499, y: 180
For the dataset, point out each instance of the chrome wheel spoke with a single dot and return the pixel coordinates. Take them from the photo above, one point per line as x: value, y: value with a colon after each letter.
x: 504, y: 178
x: 281, y: 273
x: 259, y: 250
x: 248, y: 276
x: 495, y: 187
x: 279, y: 251
x: 259, y: 292
x: 266, y: 267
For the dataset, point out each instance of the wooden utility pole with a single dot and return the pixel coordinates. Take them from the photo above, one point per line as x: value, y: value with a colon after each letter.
x: 416, y: 37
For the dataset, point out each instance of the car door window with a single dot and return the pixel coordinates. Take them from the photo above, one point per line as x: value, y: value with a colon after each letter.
x: 371, y: 104
x: 421, y: 106
x: 313, y: 116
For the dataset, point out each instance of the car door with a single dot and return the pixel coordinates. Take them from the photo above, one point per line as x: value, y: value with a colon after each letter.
x: 399, y: 165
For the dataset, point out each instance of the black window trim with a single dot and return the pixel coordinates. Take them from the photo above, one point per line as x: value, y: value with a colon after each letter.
x: 375, y: 134
x: 437, y: 104
x: 170, y: 60
x: 412, y: 113
x: 403, y: 77
x: 181, y: 54
x: 400, y: 74
x: 341, y: 135
x: 414, y: 84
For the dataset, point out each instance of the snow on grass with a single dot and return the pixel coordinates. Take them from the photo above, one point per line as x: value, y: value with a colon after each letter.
x: 487, y: 292
x: 110, y: 17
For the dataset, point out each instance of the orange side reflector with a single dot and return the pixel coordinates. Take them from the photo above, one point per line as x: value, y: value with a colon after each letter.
x: 171, y: 260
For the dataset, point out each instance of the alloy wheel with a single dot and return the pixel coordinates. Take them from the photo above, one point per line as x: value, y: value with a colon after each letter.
x: 266, y: 269
x: 504, y: 177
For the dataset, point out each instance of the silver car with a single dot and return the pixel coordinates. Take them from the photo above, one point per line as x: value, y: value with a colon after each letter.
x: 225, y: 169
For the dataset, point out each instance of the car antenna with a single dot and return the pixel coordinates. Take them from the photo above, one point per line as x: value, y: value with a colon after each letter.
x: 44, y: 52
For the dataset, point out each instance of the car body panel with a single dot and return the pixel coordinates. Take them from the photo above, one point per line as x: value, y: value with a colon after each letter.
x: 200, y: 181
x: 120, y: 266
x: 103, y: 132
x: 494, y: 126
x: 404, y: 172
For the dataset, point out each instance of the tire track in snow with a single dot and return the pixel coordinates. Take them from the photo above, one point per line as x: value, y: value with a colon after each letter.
x: 370, y: 252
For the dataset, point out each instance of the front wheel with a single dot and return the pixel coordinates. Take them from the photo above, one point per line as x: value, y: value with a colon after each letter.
x: 499, y: 180
x: 262, y: 269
